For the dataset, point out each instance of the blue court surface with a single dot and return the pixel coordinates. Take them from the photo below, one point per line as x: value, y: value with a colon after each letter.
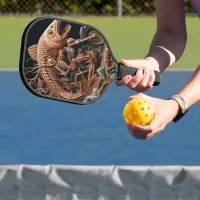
x: 35, y: 130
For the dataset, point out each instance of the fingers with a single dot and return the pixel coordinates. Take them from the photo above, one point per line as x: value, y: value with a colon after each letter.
x: 130, y: 79
x: 143, y: 85
x: 133, y: 63
x: 138, y: 95
x: 136, y: 134
x: 148, y: 136
x: 145, y: 132
x: 124, y: 81
x: 142, y: 133
x: 141, y: 82
x: 145, y: 79
x: 134, y: 81
x: 151, y: 79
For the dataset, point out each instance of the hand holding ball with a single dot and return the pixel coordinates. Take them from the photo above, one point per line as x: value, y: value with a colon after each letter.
x: 138, y: 111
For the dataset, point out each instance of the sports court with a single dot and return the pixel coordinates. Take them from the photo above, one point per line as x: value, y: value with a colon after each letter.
x: 90, y: 135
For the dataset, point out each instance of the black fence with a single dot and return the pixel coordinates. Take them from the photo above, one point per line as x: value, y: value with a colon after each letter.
x: 81, y: 7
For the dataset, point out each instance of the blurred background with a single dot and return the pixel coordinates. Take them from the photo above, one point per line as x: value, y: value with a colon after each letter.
x: 39, y: 131
x: 82, y: 7
x: 120, y: 21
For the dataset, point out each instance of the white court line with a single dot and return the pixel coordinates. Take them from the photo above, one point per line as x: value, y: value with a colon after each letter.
x: 179, y: 70
x: 9, y: 69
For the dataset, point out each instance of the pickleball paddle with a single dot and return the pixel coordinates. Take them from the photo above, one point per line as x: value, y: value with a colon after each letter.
x: 68, y: 61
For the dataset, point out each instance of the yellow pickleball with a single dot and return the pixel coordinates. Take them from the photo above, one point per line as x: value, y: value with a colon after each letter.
x: 138, y: 112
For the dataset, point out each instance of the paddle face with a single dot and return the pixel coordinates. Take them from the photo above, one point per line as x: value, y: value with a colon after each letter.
x: 66, y: 61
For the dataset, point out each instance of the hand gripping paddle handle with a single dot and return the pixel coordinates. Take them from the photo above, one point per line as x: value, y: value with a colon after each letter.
x: 124, y: 71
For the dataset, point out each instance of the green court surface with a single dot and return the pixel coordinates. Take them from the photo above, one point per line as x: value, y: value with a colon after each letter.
x: 129, y: 37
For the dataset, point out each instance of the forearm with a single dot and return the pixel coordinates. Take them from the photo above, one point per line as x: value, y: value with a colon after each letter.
x: 191, y: 91
x: 170, y: 38
x: 166, y: 48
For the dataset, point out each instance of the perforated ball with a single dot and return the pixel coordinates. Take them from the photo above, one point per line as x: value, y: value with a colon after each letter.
x: 138, y: 112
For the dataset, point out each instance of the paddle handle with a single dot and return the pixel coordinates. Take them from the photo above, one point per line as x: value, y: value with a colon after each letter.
x: 124, y: 71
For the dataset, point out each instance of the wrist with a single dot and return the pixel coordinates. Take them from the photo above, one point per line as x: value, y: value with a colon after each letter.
x: 175, y: 106
x: 154, y: 63
x: 163, y: 56
x: 182, y: 104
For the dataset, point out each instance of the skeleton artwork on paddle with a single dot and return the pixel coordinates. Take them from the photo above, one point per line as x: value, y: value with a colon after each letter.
x: 70, y: 69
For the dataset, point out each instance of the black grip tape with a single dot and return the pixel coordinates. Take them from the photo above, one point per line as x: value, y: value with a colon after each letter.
x: 124, y: 71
